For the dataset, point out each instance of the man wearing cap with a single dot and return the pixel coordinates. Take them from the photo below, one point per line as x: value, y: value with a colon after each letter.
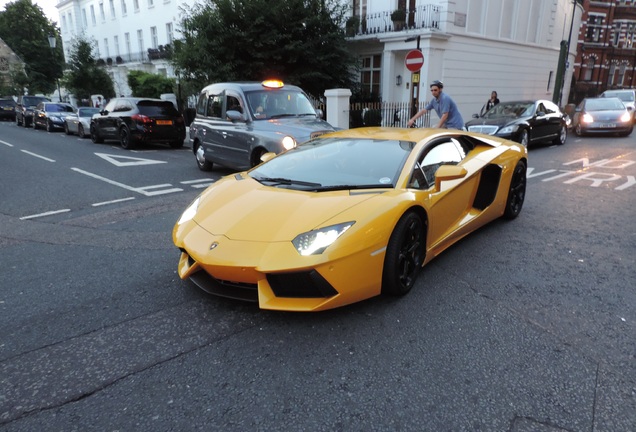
x: 444, y: 106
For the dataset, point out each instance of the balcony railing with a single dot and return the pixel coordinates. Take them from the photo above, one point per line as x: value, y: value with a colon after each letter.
x: 421, y: 17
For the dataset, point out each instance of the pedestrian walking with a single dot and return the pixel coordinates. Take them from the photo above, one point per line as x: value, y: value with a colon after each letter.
x: 444, y: 106
x: 99, y: 103
x: 494, y: 100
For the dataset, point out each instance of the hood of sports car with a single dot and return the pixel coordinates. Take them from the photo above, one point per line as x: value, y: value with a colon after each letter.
x: 243, y: 209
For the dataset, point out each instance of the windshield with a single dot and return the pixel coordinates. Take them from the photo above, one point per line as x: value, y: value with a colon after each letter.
x: 511, y: 109
x: 336, y: 163
x: 625, y: 96
x: 33, y: 100
x: 602, y: 104
x: 276, y: 103
x: 58, y: 108
x: 88, y: 112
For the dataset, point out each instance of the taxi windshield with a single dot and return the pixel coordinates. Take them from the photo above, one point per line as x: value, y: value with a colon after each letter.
x: 276, y: 103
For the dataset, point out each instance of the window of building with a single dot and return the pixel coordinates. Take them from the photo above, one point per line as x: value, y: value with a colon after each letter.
x: 112, y: 9
x: 127, y: 42
x: 64, y: 22
x: 475, y: 16
x: 370, y: 76
x: 594, y: 26
x: 116, y: 43
x: 507, y: 24
x: 136, y: 5
x: 84, y: 18
x: 611, y: 79
x: 589, y: 69
x: 621, y: 74
x: 616, y: 34
x: 124, y: 9
x: 93, y: 19
x: 102, y: 14
x: 70, y: 21
x: 154, y: 39
x: 140, y: 41
x: 106, y: 49
x: 151, y: 3
x: 169, y: 34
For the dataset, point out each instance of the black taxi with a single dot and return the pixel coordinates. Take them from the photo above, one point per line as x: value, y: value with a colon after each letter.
x: 237, y: 122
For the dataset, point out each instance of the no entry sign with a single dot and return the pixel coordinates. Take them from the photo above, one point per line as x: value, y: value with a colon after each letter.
x: 414, y: 60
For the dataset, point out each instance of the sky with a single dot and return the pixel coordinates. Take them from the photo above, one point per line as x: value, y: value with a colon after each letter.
x: 48, y: 6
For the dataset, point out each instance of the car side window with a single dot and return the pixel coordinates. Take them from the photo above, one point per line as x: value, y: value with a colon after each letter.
x: 202, y: 104
x: 447, y: 152
x: 110, y: 106
x: 215, y: 106
x: 234, y: 103
x: 549, y: 108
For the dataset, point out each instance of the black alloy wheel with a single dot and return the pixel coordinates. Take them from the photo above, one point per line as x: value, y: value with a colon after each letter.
x: 66, y: 131
x: 404, y: 255
x: 563, y: 135
x: 49, y: 126
x: 125, y: 140
x: 80, y: 131
x: 517, y: 191
x: 95, y: 137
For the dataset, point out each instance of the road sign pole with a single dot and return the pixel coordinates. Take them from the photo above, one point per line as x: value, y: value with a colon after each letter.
x: 414, y: 61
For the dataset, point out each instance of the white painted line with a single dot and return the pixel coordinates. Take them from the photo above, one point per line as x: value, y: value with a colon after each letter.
x: 188, y: 182
x: 201, y: 186
x: 113, y: 201
x: 6, y: 143
x: 130, y: 188
x: 37, y: 155
x: 127, y: 160
x: 45, y: 214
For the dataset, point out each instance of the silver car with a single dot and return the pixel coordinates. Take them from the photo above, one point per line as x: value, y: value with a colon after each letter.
x: 80, y: 122
x: 236, y: 123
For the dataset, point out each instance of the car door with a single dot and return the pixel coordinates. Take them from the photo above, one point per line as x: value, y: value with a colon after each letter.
x: 103, y: 120
x: 554, y: 118
x: 213, y: 131
x: 236, y: 140
x: 540, y: 122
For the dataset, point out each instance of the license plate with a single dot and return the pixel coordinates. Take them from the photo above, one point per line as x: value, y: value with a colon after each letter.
x: 608, y: 125
x: 164, y: 122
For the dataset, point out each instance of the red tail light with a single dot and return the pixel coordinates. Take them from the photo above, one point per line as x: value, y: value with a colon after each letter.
x: 139, y: 118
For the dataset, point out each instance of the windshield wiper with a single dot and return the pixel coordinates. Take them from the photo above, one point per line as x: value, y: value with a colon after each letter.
x: 286, y: 181
x: 282, y: 115
x: 352, y: 187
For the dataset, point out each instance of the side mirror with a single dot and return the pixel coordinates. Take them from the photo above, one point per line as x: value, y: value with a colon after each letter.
x: 448, y: 172
x: 475, y: 115
x: 234, y: 115
x: 319, y: 113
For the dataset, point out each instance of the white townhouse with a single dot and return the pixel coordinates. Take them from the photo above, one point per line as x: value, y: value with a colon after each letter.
x: 127, y: 34
x: 472, y: 46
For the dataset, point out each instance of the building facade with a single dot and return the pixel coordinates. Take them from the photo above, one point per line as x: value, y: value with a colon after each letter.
x: 606, y: 53
x: 9, y: 61
x: 126, y: 34
x: 473, y: 46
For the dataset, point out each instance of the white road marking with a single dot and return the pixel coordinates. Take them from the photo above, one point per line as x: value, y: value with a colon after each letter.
x: 37, y: 155
x: 131, y: 161
x: 143, y: 190
x: 6, y: 143
x: 201, y: 183
x: 112, y: 202
x: 45, y: 214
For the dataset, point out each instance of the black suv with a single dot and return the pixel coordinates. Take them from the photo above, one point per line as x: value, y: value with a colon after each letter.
x: 24, y: 109
x: 7, y: 108
x: 132, y: 121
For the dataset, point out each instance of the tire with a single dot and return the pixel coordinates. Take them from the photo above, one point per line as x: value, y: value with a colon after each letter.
x: 66, y: 131
x: 202, y: 162
x: 404, y: 255
x: 49, y: 126
x: 95, y: 137
x: 176, y: 144
x: 516, y: 192
x: 563, y: 135
x: 578, y: 130
x: 34, y: 124
x: 80, y: 131
x: 125, y: 139
x: 256, y: 156
x: 17, y: 121
x: 524, y: 138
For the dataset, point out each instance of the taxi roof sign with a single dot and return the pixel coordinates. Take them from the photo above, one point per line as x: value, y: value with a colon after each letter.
x: 272, y: 83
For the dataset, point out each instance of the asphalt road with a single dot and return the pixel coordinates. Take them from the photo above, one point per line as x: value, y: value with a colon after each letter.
x: 527, y: 325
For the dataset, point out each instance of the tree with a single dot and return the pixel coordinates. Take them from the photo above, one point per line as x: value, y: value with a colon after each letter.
x: 25, y: 29
x: 149, y: 85
x: 301, y: 42
x: 83, y: 77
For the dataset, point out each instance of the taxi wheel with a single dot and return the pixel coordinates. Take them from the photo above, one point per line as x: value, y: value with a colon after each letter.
x: 404, y: 255
x: 95, y: 135
x: 125, y: 140
x: 80, y: 131
x: 517, y: 192
x: 202, y: 162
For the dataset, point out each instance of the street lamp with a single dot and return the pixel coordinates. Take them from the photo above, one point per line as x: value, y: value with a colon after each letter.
x: 52, y: 42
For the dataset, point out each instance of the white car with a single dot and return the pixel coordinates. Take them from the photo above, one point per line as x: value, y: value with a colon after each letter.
x: 80, y: 122
x: 627, y: 96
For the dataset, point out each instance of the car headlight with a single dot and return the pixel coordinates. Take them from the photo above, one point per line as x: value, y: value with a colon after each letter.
x: 56, y: 118
x: 189, y: 213
x: 508, y: 129
x: 627, y: 117
x: 587, y: 118
x: 289, y: 142
x: 316, y: 241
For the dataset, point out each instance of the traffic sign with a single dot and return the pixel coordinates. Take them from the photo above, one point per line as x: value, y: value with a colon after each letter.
x: 414, y: 60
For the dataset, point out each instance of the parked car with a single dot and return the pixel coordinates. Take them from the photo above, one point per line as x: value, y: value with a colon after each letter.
x: 602, y: 115
x: 133, y: 121
x: 346, y: 216
x: 236, y: 123
x: 627, y: 96
x: 24, y: 108
x: 526, y: 122
x: 80, y: 121
x: 7, y: 108
x: 50, y: 115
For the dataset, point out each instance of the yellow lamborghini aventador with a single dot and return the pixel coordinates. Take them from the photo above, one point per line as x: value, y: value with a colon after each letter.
x: 346, y: 216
